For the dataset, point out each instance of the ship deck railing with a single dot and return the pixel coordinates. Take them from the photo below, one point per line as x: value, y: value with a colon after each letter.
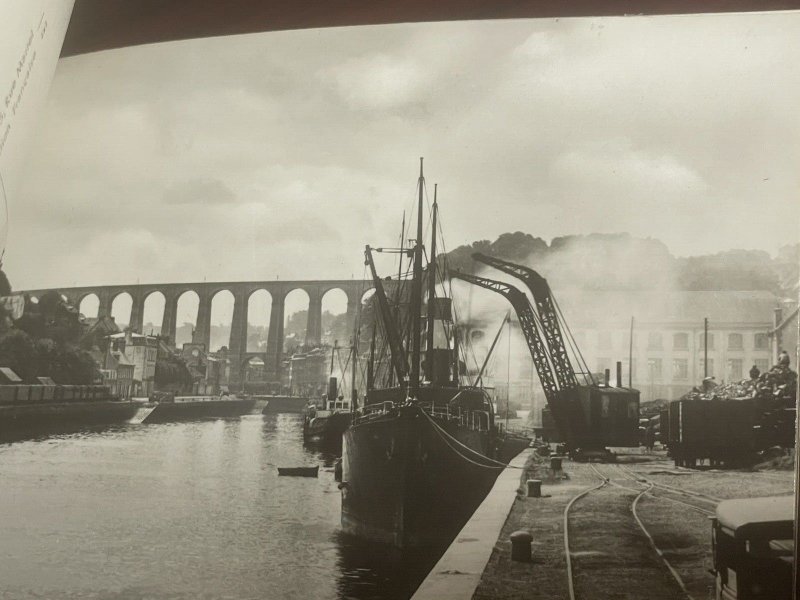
x: 477, y: 420
x: 372, y: 410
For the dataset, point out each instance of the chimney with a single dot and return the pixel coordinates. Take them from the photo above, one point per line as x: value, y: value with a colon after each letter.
x: 619, y: 373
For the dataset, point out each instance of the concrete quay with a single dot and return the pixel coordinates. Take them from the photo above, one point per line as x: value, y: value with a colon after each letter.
x: 459, y: 571
x: 611, y: 555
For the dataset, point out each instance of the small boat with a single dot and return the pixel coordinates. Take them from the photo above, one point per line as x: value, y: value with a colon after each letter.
x: 299, y: 471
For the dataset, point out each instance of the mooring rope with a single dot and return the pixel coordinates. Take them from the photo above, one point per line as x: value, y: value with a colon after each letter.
x: 445, y: 435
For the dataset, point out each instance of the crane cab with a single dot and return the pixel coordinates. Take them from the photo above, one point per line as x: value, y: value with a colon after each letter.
x: 753, y: 546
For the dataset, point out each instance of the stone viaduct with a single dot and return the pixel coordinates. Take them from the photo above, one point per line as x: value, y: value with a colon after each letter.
x: 355, y: 289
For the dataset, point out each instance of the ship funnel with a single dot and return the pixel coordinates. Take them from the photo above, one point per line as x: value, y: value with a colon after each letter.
x: 332, y: 389
x: 440, y: 352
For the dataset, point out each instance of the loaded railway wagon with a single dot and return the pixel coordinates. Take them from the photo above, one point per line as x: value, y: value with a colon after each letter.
x: 36, y: 409
x: 723, y: 432
x: 720, y: 431
x: 12, y: 395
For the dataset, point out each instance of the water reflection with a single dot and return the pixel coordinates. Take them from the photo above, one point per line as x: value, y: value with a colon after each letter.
x: 184, y: 510
x: 373, y: 571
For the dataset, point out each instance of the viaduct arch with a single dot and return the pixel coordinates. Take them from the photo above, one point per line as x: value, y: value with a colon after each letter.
x: 354, y: 289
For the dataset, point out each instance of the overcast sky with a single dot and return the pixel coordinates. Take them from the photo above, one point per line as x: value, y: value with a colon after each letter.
x: 282, y: 154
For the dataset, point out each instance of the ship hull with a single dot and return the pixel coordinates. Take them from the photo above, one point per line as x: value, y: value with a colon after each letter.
x: 406, y: 483
x: 326, y: 430
x: 21, y: 421
x: 185, y: 410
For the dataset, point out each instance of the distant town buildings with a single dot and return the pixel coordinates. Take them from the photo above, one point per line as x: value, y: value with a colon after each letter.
x: 306, y: 373
x: 117, y: 373
x: 142, y: 352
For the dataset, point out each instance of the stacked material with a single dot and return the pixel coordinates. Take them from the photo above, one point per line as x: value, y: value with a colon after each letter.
x: 768, y: 399
x: 774, y: 387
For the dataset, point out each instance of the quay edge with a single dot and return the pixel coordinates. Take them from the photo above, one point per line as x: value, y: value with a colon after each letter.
x: 457, y: 574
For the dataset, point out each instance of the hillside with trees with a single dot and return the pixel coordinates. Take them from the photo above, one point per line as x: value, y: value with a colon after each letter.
x: 621, y: 261
x: 44, y: 342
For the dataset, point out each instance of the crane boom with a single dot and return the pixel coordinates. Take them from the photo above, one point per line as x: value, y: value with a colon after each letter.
x: 539, y: 352
x: 564, y: 372
x: 398, y: 355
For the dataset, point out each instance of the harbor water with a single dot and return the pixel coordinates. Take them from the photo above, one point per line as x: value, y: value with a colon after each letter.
x: 184, y: 510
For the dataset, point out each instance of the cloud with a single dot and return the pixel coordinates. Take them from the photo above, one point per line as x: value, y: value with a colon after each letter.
x: 294, y: 149
x: 199, y: 191
x: 379, y: 82
x: 616, y: 164
x: 540, y: 44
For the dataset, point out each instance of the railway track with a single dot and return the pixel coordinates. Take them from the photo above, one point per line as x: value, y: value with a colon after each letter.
x: 695, y: 500
x: 622, y: 490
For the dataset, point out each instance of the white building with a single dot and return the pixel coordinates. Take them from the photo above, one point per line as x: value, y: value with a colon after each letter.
x: 668, y: 338
x: 142, y: 352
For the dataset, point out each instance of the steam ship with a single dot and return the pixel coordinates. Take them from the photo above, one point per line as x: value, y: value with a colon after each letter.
x: 420, y: 454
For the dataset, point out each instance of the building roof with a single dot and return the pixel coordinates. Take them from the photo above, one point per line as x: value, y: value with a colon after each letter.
x: 131, y: 334
x: 790, y: 316
x: 614, y: 308
x: 607, y: 307
x: 8, y: 374
x: 121, y: 359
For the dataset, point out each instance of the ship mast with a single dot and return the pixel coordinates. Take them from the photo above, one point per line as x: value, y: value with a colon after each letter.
x: 353, y: 390
x: 431, y: 289
x: 416, y: 294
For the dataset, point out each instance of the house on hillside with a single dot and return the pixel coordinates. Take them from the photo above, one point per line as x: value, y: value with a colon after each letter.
x: 142, y: 352
x: 117, y: 372
x: 96, y: 333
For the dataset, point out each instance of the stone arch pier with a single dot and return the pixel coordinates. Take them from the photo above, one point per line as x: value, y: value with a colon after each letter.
x: 241, y: 291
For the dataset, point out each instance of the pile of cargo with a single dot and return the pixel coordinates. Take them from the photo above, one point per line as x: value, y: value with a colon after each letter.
x: 775, y: 386
x: 735, y: 423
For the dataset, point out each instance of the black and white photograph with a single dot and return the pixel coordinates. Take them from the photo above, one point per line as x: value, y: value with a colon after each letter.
x: 385, y: 300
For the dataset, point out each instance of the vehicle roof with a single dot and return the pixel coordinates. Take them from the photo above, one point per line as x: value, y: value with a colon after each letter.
x: 757, y: 518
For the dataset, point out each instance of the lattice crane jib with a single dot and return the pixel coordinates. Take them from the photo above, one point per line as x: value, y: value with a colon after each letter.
x: 539, y: 351
x: 548, y: 316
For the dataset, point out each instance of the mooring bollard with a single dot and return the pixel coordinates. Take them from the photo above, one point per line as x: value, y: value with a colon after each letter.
x: 521, y: 546
x: 555, y: 464
x: 534, y: 488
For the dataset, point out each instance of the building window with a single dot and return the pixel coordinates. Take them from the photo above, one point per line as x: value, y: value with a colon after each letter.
x: 680, y: 369
x: 701, y: 343
x: 735, y: 341
x: 761, y: 341
x: 604, y: 340
x: 654, y: 368
x: 734, y: 369
x: 680, y: 341
x: 654, y: 341
x: 762, y: 364
x: 710, y: 368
